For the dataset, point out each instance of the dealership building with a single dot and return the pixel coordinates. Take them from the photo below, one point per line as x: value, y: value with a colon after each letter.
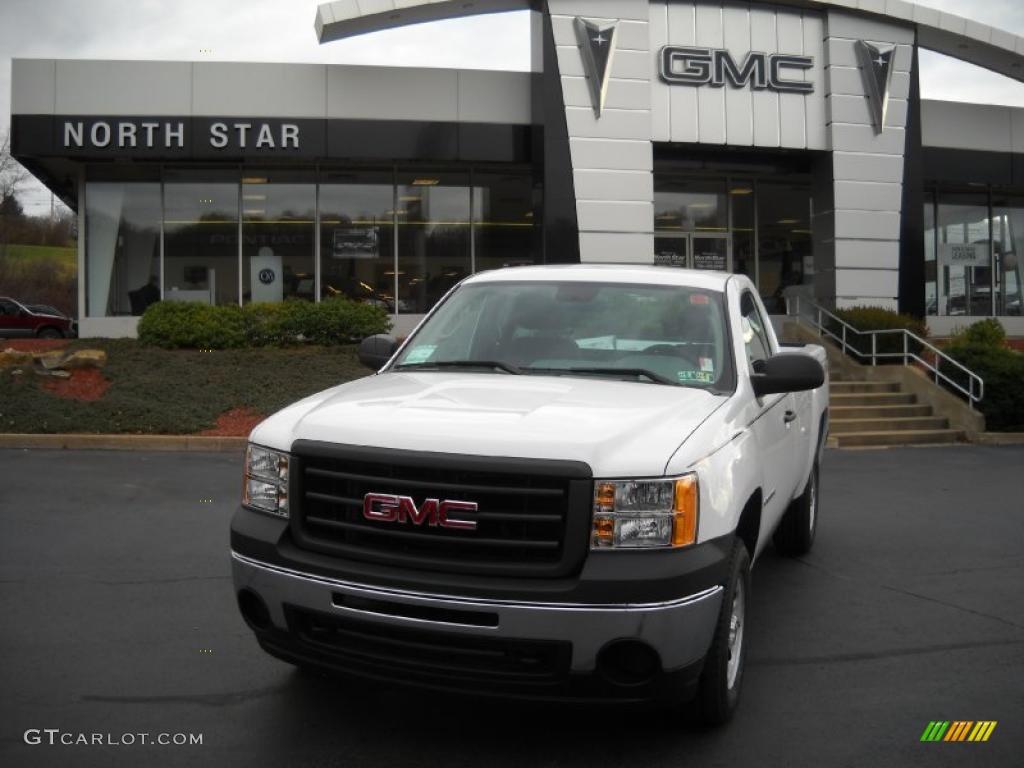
x: 784, y: 140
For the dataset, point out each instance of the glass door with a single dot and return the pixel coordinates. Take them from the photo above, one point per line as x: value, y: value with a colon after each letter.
x: 693, y: 251
x: 672, y: 250
x: 710, y: 252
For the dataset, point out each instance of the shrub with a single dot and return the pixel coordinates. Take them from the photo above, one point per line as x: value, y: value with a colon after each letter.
x: 879, y: 319
x: 191, y: 325
x: 984, y: 333
x: 178, y: 325
x: 1002, y: 370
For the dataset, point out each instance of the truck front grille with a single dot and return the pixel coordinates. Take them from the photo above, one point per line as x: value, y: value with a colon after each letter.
x: 532, y: 517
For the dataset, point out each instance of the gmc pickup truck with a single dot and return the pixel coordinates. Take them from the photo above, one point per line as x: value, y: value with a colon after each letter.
x: 554, y: 488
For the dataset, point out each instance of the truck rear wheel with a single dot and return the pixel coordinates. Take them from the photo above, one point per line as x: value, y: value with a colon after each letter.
x: 720, y: 680
x: 795, y: 534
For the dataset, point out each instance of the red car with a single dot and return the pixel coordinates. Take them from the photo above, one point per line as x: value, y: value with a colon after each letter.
x: 20, y: 321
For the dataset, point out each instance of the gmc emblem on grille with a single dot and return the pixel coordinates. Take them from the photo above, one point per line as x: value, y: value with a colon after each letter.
x: 385, y: 508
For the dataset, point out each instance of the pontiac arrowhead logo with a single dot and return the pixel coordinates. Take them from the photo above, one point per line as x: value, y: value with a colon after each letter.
x: 876, y: 69
x: 597, y: 46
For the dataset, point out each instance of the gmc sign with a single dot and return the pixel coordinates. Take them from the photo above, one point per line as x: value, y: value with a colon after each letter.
x: 682, y: 65
x: 386, y: 508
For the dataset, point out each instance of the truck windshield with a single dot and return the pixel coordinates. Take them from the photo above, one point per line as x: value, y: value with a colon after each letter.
x: 646, y: 333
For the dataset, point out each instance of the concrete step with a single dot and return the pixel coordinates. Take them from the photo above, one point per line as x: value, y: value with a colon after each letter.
x: 898, y: 437
x: 872, y: 398
x: 879, y: 411
x: 849, y: 387
x: 913, y: 424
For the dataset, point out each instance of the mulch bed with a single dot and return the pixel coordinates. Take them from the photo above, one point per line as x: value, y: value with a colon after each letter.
x: 85, y: 384
x: 238, y: 422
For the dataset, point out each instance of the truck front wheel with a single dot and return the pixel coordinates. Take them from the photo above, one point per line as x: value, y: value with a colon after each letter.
x: 720, y: 680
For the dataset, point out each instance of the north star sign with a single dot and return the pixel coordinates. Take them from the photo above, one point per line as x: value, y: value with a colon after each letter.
x: 683, y: 65
x: 170, y: 134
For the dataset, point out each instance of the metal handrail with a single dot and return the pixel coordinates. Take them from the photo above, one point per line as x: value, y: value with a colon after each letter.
x: 907, y: 355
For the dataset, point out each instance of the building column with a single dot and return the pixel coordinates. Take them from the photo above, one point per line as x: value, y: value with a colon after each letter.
x: 611, y: 155
x: 862, y: 244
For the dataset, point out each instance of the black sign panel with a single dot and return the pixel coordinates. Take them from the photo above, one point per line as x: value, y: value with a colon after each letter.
x: 252, y: 138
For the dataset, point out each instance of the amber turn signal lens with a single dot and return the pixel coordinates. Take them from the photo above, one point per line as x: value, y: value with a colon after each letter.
x: 684, y: 518
x: 604, y: 532
x: 604, y: 496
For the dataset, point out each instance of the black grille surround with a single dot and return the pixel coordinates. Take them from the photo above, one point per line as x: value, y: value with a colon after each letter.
x: 533, y: 517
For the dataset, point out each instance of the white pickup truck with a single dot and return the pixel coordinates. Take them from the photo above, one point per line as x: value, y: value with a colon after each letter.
x: 554, y: 488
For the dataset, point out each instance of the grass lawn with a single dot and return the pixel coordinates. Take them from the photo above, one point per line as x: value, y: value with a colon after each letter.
x: 67, y: 258
x: 160, y: 391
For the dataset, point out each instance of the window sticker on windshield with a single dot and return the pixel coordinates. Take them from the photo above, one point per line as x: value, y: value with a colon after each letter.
x: 420, y: 354
x: 706, y: 364
x: 699, y: 298
x: 702, y: 376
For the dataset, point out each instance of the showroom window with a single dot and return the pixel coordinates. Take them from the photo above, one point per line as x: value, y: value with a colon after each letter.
x: 201, y: 236
x: 357, y: 236
x: 433, y: 215
x: 122, y: 247
x: 503, y: 232
x: 1008, y: 248
x: 240, y: 235
x: 278, y: 234
x: 970, y: 254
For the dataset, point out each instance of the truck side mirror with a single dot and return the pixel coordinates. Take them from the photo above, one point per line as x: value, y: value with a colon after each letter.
x: 787, y: 373
x: 376, y: 350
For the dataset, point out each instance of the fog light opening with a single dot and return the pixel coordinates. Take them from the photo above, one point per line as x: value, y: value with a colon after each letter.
x: 628, y: 662
x: 254, y: 610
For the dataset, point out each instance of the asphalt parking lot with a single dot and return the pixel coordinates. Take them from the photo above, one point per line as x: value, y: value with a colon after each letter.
x: 118, y: 618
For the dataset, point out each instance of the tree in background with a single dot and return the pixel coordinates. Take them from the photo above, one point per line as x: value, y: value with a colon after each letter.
x: 12, y: 177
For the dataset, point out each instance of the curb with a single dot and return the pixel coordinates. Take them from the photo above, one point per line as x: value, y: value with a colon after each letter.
x: 999, y: 438
x: 124, y: 442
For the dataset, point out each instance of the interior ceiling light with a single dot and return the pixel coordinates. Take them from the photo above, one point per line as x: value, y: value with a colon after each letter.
x: 254, y: 179
x: 788, y: 221
x: 740, y: 191
x: 425, y: 182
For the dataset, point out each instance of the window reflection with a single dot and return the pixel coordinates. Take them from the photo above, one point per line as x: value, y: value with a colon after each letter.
x: 433, y: 236
x: 122, y: 247
x: 690, y: 205
x: 502, y: 220
x: 1008, y: 247
x: 784, y: 243
x: 277, y: 236
x: 201, y: 237
x: 357, y: 237
x: 963, y: 255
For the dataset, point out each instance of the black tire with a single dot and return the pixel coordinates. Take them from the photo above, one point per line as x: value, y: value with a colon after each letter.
x: 718, y: 693
x: 50, y: 333
x: 795, y: 534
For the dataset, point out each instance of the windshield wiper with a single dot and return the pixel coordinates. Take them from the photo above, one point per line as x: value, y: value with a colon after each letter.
x: 492, y: 364
x: 638, y: 372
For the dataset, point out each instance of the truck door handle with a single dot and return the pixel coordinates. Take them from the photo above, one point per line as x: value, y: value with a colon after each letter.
x: 789, y: 417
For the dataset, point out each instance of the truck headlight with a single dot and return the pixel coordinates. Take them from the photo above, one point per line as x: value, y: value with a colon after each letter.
x: 266, y: 480
x: 640, y: 514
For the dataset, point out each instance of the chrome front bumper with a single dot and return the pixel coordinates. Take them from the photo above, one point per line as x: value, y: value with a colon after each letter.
x: 679, y: 630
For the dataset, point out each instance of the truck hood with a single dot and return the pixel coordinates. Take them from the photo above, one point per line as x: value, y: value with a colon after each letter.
x: 619, y: 428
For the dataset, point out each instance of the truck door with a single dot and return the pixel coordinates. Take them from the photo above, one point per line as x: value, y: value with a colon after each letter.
x: 773, y: 423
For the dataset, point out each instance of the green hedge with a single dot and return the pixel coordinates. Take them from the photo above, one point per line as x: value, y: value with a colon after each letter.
x: 187, y: 325
x: 879, y: 319
x: 981, y: 347
x: 1002, y: 370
